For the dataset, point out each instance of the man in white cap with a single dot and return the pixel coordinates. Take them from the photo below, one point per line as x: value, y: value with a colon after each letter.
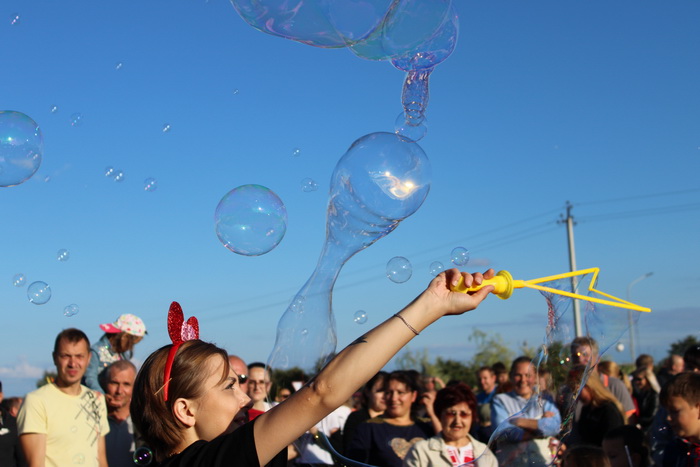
x: 116, y: 344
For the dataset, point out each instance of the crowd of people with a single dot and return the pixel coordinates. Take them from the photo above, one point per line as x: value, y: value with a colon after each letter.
x: 191, y: 403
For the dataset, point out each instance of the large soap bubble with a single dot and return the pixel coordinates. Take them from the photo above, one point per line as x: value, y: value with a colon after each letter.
x: 21, y: 148
x: 39, y: 292
x: 379, y: 181
x: 250, y: 220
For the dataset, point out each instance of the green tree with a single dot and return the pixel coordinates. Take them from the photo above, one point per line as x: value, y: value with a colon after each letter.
x: 48, y: 377
x: 419, y: 361
x: 449, y: 370
x: 489, y: 349
x: 680, y: 346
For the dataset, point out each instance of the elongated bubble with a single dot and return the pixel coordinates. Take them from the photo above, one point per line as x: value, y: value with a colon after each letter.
x: 379, y: 182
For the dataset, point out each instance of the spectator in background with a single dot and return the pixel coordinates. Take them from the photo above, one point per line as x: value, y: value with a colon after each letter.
x: 117, y: 343
x: 310, y: 453
x: 64, y: 422
x: 646, y: 361
x: 626, y: 446
x: 10, y: 404
x: 373, y: 405
x: 681, y: 398
x: 241, y: 369
x: 691, y: 358
x: 385, y: 440
x: 120, y: 441
x: 456, y: 407
x: 612, y: 369
x: 10, y: 452
x: 646, y: 396
x: 487, y: 389
x: 524, y: 440
x: 672, y: 366
x: 501, y: 372
x: 258, y: 389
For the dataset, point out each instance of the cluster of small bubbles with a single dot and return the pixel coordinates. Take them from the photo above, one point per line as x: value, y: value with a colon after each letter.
x: 166, y: 127
x: 236, y: 92
x: 459, y: 256
x: 14, y: 19
x: 250, y: 220
x: 399, y: 269
x: 109, y: 172
x: 150, y: 184
x: 297, y: 304
x: 309, y: 185
x: 18, y: 280
x: 53, y: 109
x: 63, y: 255
x: 71, y: 310
x: 79, y: 459
x: 76, y: 119
x: 360, y: 317
x: 21, y: 148
x: 118, y: 176
x: 118, y: 66
x: 143, y: 456
x: 436, y: 267
x: 296, y: 152
x: 39, y: 292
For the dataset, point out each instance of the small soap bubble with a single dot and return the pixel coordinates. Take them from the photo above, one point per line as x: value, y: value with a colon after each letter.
x: 360, y: 317
x: 79, y: 459
x: 118, y: 66
x: 459, y: 256
x: 399, y: 269
x: 143, y: 456
x: 150, y: 184
x: 63, y: 255
x: 236, y: 92
x: 166, y: 127
x: 18, y: 280
x: 118, y: 176
x: 71, y: 310
x: 410, y: 129
x: 14, y: 19
x: 76, y: 119
x: 304, y: 332
x: 109, y: 172
x: 296, y: 152
x: 53, y: 109
x: 73, y: 429
x: 308, y: 185
x: 47, y: 179
x: 250, y: 220
x: 39, y: 292
x: 436, y: 267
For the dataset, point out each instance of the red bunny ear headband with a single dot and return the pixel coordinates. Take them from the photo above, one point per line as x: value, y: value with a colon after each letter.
x: 180, y: 332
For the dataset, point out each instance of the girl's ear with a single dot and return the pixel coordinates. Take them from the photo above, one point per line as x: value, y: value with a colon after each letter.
x: 184, y: 410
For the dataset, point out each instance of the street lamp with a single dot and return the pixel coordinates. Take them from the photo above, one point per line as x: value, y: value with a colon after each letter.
x: 629, y: 313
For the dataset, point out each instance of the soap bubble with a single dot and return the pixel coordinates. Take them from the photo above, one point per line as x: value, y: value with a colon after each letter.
x: 360, y: 317
x: 109, y: 172
x: 309, y: 185
x: 71, y: 310
x: 76, y: 119
x: 143, y: 456
x: 410, y: 130
x: 296, y: 152
x: 18, y: 280
x: 166, y: 127
x: 63, y: 255
x: 79, y: 459
x: 53, y: 109
x: 14, y: 19
x: 150, y: 184
x: 39, y: 292
x: 250, y: 220
x: 118, y: 175
x: 118, y: 66
x: 21, y: 148
x: 236, y: 92
x: 436, y: 267
x: 459, y: 256
x: 399, y: 269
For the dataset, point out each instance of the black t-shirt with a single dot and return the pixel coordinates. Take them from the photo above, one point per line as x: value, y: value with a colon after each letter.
x: 377, y: 442
x: 237, y: 448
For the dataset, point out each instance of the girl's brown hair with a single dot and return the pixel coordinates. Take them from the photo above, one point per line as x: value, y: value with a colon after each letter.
x: 599, y: 393
x: 151, y: 414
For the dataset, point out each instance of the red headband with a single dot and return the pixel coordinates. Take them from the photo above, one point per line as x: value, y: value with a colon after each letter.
x: 180, y: 332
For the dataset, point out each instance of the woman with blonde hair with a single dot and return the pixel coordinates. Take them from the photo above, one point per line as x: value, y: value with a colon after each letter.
x: 601, y: 411
x: 612, y: 369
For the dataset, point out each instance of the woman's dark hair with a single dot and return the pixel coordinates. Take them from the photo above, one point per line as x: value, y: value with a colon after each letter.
x: 152, y: 416
x: 453, y: 395
x: 367, y: 388
x: 585, y: 456
x: 123, y: 342
x: 633, y: 439
x: 410, y: 378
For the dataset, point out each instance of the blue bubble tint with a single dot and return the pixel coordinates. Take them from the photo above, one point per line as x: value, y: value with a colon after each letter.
x: 21, y: 148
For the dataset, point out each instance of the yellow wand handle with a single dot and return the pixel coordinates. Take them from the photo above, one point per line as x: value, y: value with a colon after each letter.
x: 503, y: 285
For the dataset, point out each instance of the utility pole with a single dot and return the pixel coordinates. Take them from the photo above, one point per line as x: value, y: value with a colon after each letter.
x: 569, y: 221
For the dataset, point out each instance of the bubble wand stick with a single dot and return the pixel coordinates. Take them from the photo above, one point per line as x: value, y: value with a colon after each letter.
x: 504, y: 284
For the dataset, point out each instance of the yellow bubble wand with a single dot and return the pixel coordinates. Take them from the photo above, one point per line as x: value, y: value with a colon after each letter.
x: 504, y: 284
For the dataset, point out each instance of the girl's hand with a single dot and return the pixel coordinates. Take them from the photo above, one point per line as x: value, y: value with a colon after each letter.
x: 456, y: 303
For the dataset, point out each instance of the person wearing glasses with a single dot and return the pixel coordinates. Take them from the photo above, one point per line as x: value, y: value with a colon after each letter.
x: 237, y: 364
x: 186, y: 395
x: 258, y: 389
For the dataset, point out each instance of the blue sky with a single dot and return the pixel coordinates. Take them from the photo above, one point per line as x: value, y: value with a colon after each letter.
x: 542, y: 102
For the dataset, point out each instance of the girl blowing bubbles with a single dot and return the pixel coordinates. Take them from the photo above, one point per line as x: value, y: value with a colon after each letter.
x: 186, y: 395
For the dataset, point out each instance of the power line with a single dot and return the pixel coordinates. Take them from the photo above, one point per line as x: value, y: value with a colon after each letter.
x: 636, y: 197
